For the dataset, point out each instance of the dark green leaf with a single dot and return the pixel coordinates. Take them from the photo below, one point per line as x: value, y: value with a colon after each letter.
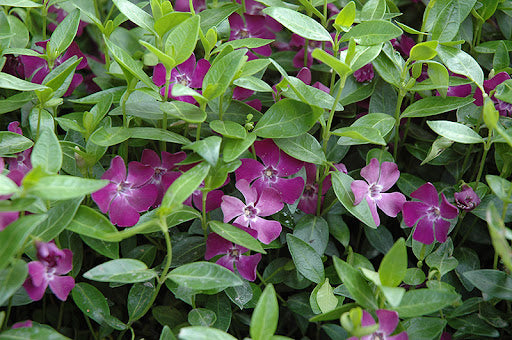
x: 181, y: 41
x: 394, y: 265
x: 200, y: 275
x: 492, y: 282
x: 431, y: 106
x: 11, y: 278
x: 425, y: 301
x: 140, y: 298
x: 236, y: 235
x: 372, y: 32
x: 355, y: 283
x: 47, y: 153
x: 64, y: 34
x: 455, y: 131
x: 298, y: 23
x: 304, y: 147
x: 314, y: 231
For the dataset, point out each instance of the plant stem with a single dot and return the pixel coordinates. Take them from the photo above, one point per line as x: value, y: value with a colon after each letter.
x: 61, y: 314
x: 487, y: 146
x: 90, y: 327
x: 327, y: 131
x: 7, y: 314
x: 401, y: 95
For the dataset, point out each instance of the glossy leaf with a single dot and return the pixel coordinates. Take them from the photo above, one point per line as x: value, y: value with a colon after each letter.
x: 11, y: 143
x: 314, y: 231
x: 181, y: 41
x: 199, y: 275
x: 355, y: 283
x: 47, y: 153
x: 236, y: 235
x: 121, y: 270
x: 431, y: 106
x: 64, y: 34
x: 304, y: 147
x: 460, y: 62
x: 265, y: 316
x: 372, y: 32
x: 186, y: 111
x: 203, y: 333
x: 394, y: 265
x: 222, y: 72
x: 140, y: 299
x: 425, y: 301
x: 136, y: 14
x: 492, y: 282
x: 63, y: 187
x: 298, y: 23
x: 11, y: 278
x: 455, y: 131
x: 306, y: 259
x: 228, y: 129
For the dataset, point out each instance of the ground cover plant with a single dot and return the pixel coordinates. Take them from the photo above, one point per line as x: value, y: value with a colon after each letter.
x: 270, y: 169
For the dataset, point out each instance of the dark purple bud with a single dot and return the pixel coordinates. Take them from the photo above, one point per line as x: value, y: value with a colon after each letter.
x: 467, y: 199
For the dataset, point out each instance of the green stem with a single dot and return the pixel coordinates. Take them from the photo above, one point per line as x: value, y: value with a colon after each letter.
x: 61, y: 314
x: 327, y: 131
x: 401, y: 95
x: 487, y: 146
x: 95, y: 336
x: 204, y: 223
x: 165, y: 230
x: 198, y: 132
x: 44, y: 13
x: 306, y: 42
x: 7, y: 314
x: 191, y: 5
x: 425, y: 19
x: 319, y: 192
x: 505, y: 204
x: 163, y: 144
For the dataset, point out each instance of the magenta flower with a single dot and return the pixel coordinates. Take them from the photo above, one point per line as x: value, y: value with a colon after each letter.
x: 163, y: 175
x: 429, y: 214
x: 276, y: 166
x: 126, y: 196
x: 253, y: 27
x: 309, y: 199
x: 245, y: 264
x: 187, y: 74
x: 258, y: 204
x: 378, y: 180
x: 22, y: 324
x: 20, y: 165
x: 184, y: 5
x: 239, y: 93
x: 37, y: 68
x: 255, y: 8
x: 364, y: 74
x: 388, y: 320
x: 300, y: 42
x: 305, y: 75
x: 404, y: 45
x: 504, y: 108
x: 467, y: 199
x: 53, y: 262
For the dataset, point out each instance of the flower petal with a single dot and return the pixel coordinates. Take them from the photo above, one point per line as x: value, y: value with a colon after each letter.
x: 367, y: 319
x: 169, y: 160
x: 36, y: 272
x: 141, y: 199
x: 227, y: 262
x: 360, y: 190
x: 139, y: 174
x: 269, y: 202
x: 288, y: 165
x: 117, y: 171
x: 159, y: 74
x: 249, y: 170
x: 413, y: 211
x: 267, y: 151
x: 122, y: 213
x: 424, y: 232
x: 104, y: 196
x: 65, y: 262
x: 371, y: 172
x: 246, y: 266
x: 388, y: 320
x: 216, y: 245
x: 391, y: 203
x: 389, y: 174
x: 197, y: 78
x: 441, y: 228
x: 231, y: 207
x: 427, y: 193
x: 250, y: 194
x: 187, y: 67
x: 373, y: 210
x: 150, y: 157
x: 268, y: 230
x: 289, y: 188
x: 447, y: 209
x: 305, y: 75
x: 61, y: 286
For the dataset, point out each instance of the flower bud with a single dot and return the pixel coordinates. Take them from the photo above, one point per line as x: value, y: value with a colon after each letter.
x: 467, y: 199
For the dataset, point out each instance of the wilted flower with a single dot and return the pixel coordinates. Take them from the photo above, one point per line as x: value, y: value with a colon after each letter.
x: 378, y: 180
x: 264, y: 203
x: 245, y: 264
x: 364, y: 74
x: 53, y: 262
x: 429, y: 214
x: 467, y: 199
x: 388, y: 320
x: 126, y: 196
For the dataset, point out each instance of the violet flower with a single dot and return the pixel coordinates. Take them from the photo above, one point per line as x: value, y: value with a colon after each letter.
x: 253, y: 27
x: 300, y: 42
x: 364, y: 74
x: 388, y: 320
x: 257, y: 204
x: 184, y: 5
x: 309, y: 199
x: 378, y: 180
x: 504, y: 108
x: 20, y: 165
x: 429, y: 214
x: 255, y: 8
x: 187, y: 74
x: 53, y: 262
x: 163, y: 175
x: 276, y: 166
x: 22, y: 324
x: 126, y: 196
x: 467, y: 199
x: 239, y: 93
x: 403, y: 45
x: 37, y: 68
x: 245, y: 264
x: 305, y: 75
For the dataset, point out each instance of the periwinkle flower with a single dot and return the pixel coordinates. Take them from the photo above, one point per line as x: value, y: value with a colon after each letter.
x: 22, y: 324
x: 504, y: 108
x: 255, y: 8
x: 388, y: 320
x: 365, y: 73
x: 257, y: 204
x: 188, y: 74
x: 184, y: 5
x: 126, y: 195
x: 276, y: 166
x: 300, y: 42
x: 429, y: 214
x: 254, y: 26
x: 379, y: 178
x: 245, y: 264
x: 466, y: 199
x: 20, y: 165
x: 53, y: 263
x: 305, y: 75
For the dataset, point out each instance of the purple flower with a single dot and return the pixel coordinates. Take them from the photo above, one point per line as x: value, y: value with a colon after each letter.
x: 37, y: 68
x: 467, y: 199
x: 264, y: 203
x: 364, y: 74
x: 504, y: 108
x: 22, y: 324
x: 126, y: 196
x: 61, y: 14
x: 255, y: 8
x: 7, y: 217
x: 239, y: 93
x: 309, y: 199
x: 388, y: 320
x: 404, y: 45
x: 163, y: 175
x: 20, y: 165
x: 300, y: 42
x: 246, y: 265
x: 378, y: 180
x: 184, y: 5
x: 253, y: 27
x: 53, y: 262
x: 429, y: 214
x: 187, y: 74
x: 305, y: 75
x: 276, y: 165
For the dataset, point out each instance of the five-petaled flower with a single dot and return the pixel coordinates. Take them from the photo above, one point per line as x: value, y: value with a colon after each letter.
x: 429, y: 214
x: 245, y: 264
x: 126, y: 196
x: 257, y: 204
x: 378, y: 180
x: 388, y: 320
x: 53, y: 263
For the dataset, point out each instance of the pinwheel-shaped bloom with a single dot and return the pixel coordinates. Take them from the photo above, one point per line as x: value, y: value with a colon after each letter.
x: 276, y: 166
x: 467, y: 199
x: 429, y: 214
x: 388, y: 320
x: 37, y: 68
x: 126, y: 196
x: 364, y: 74
x: 188, y: 74
x: 264, y: 203
x: 245, y: 264
x: 163, y: 175
x: 378, y: 180
x: 53, y: 262
x: 255, y: 26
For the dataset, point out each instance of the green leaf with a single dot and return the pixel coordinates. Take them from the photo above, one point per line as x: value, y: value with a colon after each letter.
x: 425, y: 301
x: 297, y: 90
x: 451, y: 15
x: 203, y: 333
x: 500, y: 186
x: 181, y: 41
x: 462, y: 63
x: 202, y: 317
x: 12, y: 83
x: 455, y: 131
x: 492, y: 282
x: 91, y: 223
x: 372, y: 32
x: 7, y: 186
x: 207, y: 148
x: 253, y: 83
x: 346, y: 16
x: 157, y: 134
x: 298, y: 23
x: 424, y: 51
x: 136, y: 15
x: 139, y: 300
x: 296, y: 116
x: 423, y: 328
x: 121, y: 270
x: 64, y: 34
x: 108, y: 136
x: 498, y: 233
x: 214, y: 16
x: 11, y: 143
x: 439, y: 76
x: 314, y: 231
x: 47, y: 153
x: 265, y: 316
x: 356, y: 284
x: 19, y: 3
x: 414, y: 276
x: 32, y: 333
x: 63, y: 187
x: 11, y: 278
x: 306, y: 259
x: 228, y: 129
x: 304, y: 147
x: 373, y: 10
x: 186, y: 111
x: 168, y: 61
x: 15, y: 102
x: 442, y: 258
x: 200, y: 275
x: 337, y: 65
x: 236, y: 235
x: 107, y: 249
x: 325, y: 297
x: 431, y: 106
x: 246, y: 42
x: 394, y: 265
x: 354, y: 135
x: 233, y: 148
x: 341, y: 184
x: 61, y: 76
x: 59, y: 217
x: 380, y: 121
x: 13, y: 237
x: 222, y: 72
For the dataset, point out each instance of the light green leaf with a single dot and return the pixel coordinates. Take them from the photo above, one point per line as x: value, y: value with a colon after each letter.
x: 394, y: 265
x: 204, y: 275
x: 431, y: 106
x: 372, y: 32
x: 455, y: 131
x: 304, y: 147
x: 47, y: 152
x: 236, y: 235
x: 265, y: 316
x: 298, y: 23
x: 121, y: 270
